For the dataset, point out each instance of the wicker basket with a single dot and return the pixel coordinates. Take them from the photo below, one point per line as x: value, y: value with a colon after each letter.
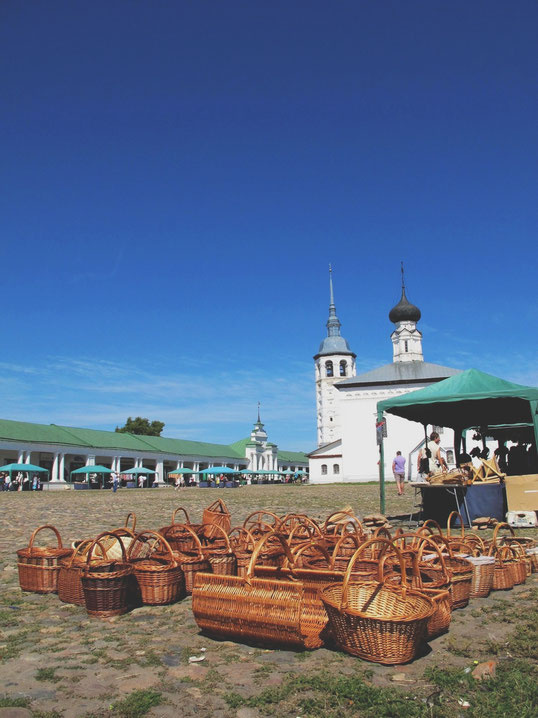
x: 70, y: 575
x: 39, y: 565
x: 374, y: 620
x: 503, y: 579
x: 179, y: 539
x: 219, y: 553
x: 106, y: 593
x: 517, y: 560
x: 191, y: 560
x: 459, y: 570
x: 532, y: 553
x: 265, y: 611
x: 216, y: 514
x: 159, y: 578
x: 242, y: 543
x: 483, y: 571
x: 440, y: 594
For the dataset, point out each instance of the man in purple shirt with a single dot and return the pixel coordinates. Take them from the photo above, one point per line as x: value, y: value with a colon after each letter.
x: 398, y: 469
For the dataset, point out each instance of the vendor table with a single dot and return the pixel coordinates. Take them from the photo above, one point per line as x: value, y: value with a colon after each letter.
x: 473, y: 501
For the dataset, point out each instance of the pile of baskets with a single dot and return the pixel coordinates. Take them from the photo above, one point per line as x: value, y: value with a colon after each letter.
x: 287, y: 581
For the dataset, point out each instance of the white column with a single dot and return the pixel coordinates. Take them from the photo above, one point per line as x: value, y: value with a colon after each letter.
x: 20, y: 460
x: 160, y: 472
x: 62, y: 468
x: 54, y: 476
x: 28, y: 456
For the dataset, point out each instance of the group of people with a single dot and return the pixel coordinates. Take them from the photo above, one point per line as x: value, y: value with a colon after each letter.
x: 430, y: 460
x: 21, y: 482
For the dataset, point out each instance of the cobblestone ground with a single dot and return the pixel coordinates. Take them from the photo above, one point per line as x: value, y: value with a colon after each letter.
x: 67, y: 664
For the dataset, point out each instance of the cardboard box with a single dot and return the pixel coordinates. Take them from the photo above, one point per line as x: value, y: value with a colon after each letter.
x: 522, y: 492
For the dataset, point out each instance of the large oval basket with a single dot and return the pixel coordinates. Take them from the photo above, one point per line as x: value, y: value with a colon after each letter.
x: 375, y: 620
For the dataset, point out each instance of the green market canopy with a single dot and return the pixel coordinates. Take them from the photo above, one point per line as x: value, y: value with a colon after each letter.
x: 138, y: 470
x: 95, y: 469
x: 22, y: 467
x: 471, y: 398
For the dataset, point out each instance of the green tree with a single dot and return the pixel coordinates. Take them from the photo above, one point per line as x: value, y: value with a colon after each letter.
x: 141, y: 426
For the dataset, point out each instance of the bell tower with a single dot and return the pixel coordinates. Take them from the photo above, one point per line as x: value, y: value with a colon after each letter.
x: 334, y: 361
x: 406, y: 338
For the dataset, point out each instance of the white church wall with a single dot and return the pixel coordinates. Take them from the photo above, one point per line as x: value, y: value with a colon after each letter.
x: 359, y: 446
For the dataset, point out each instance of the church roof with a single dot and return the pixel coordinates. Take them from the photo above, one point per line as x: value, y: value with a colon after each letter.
x: 403, y: 372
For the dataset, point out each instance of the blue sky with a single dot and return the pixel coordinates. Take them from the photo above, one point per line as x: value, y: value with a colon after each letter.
x: 177, y: 176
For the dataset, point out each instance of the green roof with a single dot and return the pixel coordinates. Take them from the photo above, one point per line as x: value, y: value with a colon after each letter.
x: 293, y: 457
x: 96, y: 439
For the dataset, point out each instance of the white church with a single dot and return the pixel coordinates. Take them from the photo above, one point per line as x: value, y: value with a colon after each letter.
x: 347, y: 404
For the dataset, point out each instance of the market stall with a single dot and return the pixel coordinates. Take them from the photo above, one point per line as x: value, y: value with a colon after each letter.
x: 469, y: 399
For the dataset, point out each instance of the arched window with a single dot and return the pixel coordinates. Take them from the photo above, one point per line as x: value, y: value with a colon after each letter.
x: 343, y: 368
x: 329, y: 368
x: 336, y: 468
x: 324, y: 469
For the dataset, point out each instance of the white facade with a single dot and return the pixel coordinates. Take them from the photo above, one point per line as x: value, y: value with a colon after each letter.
x: 347, y: 406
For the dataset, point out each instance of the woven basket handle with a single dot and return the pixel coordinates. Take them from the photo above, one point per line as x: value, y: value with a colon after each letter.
x: 82, y: 545
x: 498, y: 528
x: 130, y: 516
x: 319, y: 546
x: 329, y: 523
x: 159, y: 540
x: 455, y: 514
x: 95, y: 543
x: 309, y: 526
x: 123, y: 531
x: 341, y: 541
x: 180, y: 508
x: 218, y: 506
x: 243, y: 540
x: 228, y: 548
x: 357, y: 554
x: 435, y: 546
x: 431, y: 522
x: 381, y: 530
x: 197, y: 541
x: 258, y: 548
x: 257, y: 517
x: 45, y: 526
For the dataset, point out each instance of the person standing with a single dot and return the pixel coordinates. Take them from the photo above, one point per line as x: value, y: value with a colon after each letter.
x: 436, y: 459
x: 398, y: 469
x: 115, y: 481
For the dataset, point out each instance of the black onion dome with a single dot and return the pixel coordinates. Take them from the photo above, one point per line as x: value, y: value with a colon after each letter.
x: 404, y: 311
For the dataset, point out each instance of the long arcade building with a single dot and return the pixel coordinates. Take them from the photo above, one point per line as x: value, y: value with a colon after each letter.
x: 62, y: 449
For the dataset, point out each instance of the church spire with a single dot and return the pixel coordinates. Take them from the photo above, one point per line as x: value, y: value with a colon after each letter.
x: 333, y: 323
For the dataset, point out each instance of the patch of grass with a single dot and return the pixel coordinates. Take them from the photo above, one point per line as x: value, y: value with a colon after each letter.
x: 46, y: 714
x: 461, y: 647
x: 47, y: 674
x: 137, y: 704
x: 14, y: 645
x: 303, y: 656
x: 7, y: 702
x: 512, y: 692
x: 323, y: 696
x: 150, y: 659
x: 9, y: 618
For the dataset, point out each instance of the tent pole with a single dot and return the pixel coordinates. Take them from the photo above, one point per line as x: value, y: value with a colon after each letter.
x: 534, y: 417
x: 381, y: 469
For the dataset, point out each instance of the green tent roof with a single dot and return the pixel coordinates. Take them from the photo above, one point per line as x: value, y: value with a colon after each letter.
x: 471, y: 398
